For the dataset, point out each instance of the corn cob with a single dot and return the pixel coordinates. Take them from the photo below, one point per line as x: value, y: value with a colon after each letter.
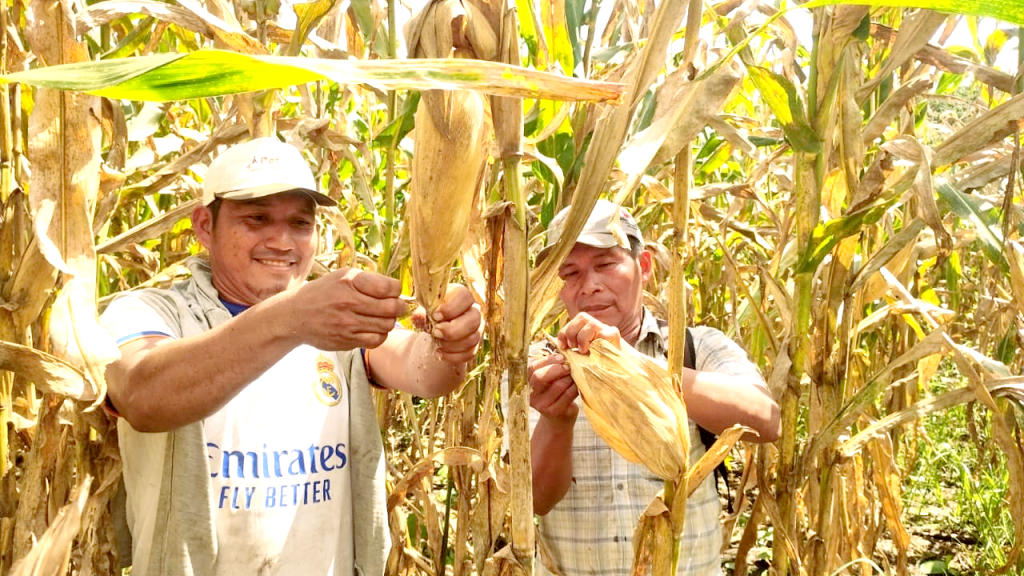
x: 450, y: 147
x: 446, y: 168
x: 633, y: 406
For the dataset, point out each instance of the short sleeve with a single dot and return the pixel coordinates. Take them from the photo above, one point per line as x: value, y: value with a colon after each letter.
x: 716, y: 352
x: 128, y: 318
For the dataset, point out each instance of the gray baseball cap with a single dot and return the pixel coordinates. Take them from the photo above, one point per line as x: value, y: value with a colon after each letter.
x: 609, y: 225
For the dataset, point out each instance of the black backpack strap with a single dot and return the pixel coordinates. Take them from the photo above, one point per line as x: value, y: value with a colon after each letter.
x: 690, y: 354
x: 707, y: 438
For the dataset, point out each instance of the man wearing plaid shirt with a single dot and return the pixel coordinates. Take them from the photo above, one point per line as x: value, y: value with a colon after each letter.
x: 589, y: 498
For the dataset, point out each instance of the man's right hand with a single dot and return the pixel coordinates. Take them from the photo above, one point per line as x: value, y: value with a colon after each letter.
x: 552, y: 393
x: 583, y: 329
x: 348, y: 309
x: 552, y: 389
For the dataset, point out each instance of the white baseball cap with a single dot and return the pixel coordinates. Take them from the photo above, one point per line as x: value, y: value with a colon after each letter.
x: 259, y: 168
x: 609, y: 225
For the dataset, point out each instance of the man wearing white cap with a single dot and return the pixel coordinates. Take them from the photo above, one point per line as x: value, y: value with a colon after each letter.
x: 247, y: 429
x: 588, y: 497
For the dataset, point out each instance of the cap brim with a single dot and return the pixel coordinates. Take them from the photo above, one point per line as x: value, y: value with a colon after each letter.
x: 275, y: 188
x: 602, y: 240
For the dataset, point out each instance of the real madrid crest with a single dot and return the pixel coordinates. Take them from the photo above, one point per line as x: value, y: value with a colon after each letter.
x: 327, y: 386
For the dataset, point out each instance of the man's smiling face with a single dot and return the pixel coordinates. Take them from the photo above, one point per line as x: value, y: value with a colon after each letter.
x: 259, y: 247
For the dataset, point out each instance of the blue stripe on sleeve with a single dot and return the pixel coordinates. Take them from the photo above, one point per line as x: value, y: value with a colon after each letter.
x: 147, y: 334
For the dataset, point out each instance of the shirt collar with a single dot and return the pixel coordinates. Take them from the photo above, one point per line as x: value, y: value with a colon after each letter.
x: 235, y: 309
x: 650, y: 331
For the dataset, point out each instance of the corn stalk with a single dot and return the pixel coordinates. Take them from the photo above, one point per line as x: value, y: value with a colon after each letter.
x: 507, y: 114
x: 677, y: 489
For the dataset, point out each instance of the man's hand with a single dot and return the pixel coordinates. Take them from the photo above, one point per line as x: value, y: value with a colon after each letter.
x: 431, y: 364
x: 348, y: 309
x: 584, y: 329
x: 458, y: 326
x: 552, y: 389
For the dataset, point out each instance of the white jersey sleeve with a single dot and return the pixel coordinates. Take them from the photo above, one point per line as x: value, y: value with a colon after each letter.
x: 128, y: 318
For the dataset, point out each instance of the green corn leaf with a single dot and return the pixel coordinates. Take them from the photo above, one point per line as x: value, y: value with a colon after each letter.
x: 971, y: 208
x: 168, y: 77
x: 1006, y: 10
x: 575, y: 20
x: 554, y: 18
x: 528, y: 33
x: 781, y: 96
x: 825, y: 236
x: 309, y: 16
x: 363, y: 12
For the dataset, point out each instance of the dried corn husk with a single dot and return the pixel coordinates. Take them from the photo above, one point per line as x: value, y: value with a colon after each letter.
x: 633, y: 406
x: 446, y: 170
x: 442, y: 26
x: 451, y: 146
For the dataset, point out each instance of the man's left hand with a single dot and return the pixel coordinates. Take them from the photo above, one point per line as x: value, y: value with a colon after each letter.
x: 458, y: 326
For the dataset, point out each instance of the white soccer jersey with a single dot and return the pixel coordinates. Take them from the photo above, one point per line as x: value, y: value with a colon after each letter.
x: 277, y: 456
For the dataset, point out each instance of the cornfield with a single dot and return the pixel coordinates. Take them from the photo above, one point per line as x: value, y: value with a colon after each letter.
x: 837, y: 186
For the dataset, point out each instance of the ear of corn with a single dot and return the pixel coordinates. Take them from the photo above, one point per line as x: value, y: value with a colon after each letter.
x: 451, y: 146
x: 633, y: 406
x: 446, y: 166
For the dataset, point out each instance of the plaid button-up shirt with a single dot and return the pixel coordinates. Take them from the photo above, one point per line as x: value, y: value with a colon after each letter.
x: 590, y: 531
